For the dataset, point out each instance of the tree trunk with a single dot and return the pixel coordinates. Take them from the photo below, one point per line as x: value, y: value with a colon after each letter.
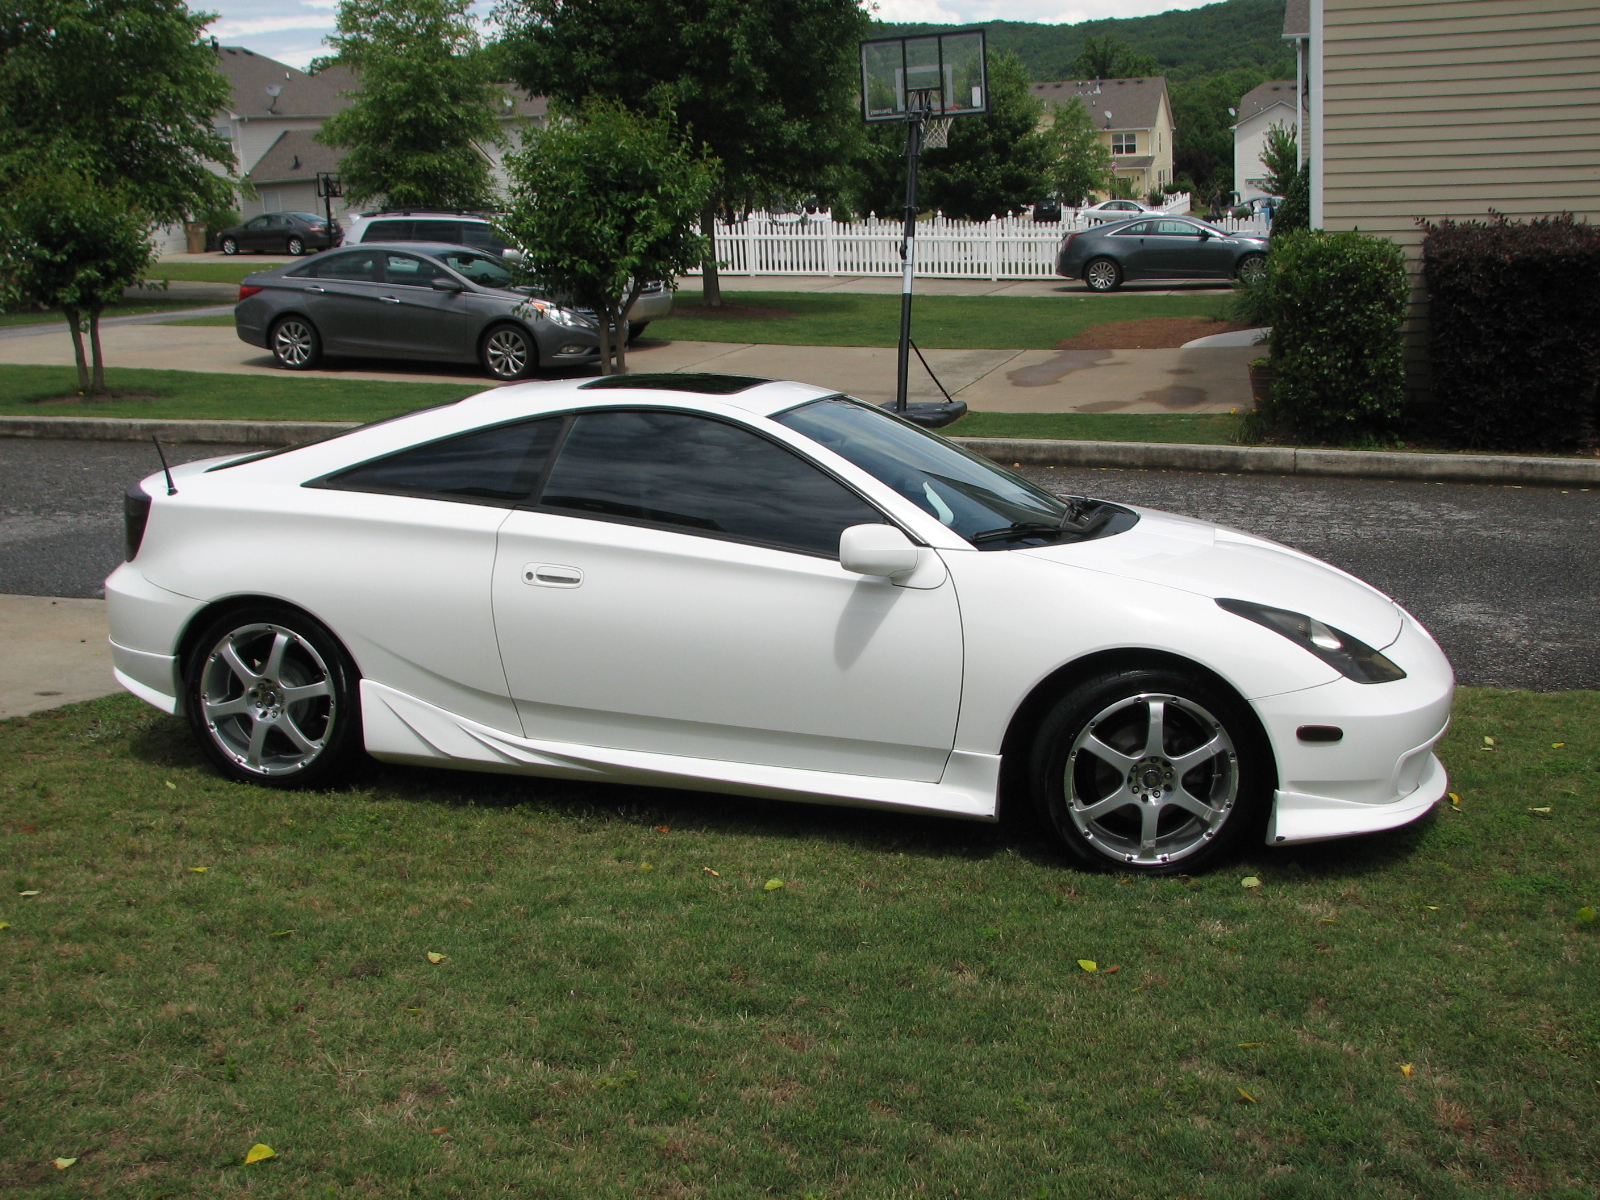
x: 605, y: 340
x: 77, y: 348
x: 622, y: 325
x: 97, y: 385
x: 711, y: 296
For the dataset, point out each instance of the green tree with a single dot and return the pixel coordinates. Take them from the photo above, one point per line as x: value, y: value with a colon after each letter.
x: 768, y: 87
x: 68, y: 242
x: 1280, y: 155
x: 1203, y: 137
x: 1295, y: 211
x: 602, y: 201
x: 122, y: 93
x: 996, y: 163
x: 1080, y: 164
x: 415, y: 132
x: 1106, y: 58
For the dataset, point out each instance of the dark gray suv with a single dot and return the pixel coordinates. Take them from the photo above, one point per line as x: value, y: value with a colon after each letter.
x: 1158, y: 248
x: 412, y: 300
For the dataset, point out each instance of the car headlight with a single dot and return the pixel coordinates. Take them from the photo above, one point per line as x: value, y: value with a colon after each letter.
x: 561, y: 316
x: 1351, y: 657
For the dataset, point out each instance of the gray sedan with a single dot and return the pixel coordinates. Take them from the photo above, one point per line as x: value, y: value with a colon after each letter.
x: 412, y: 300
x: 1158, y: 248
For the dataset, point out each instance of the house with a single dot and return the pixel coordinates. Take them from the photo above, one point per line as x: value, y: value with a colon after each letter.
x: 1134, y: 117
x: 1260, y: 109
x: 1448, y: 108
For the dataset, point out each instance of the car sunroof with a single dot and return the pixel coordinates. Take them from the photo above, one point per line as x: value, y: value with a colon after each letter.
x: 705, y: 384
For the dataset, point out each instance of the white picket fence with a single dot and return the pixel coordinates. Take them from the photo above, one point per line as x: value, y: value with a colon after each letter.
x: 1001, y: 248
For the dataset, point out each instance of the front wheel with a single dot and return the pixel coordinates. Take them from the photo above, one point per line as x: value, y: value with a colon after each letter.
x: 1252, y: 268
x: 273, y: 699
x: 230, y: 246
x: 636, y: 330
x: 296, y: 247
x: 509, y: 353
x: 1149, y: 771
x: 295, y: 344
x: 1103, y: 275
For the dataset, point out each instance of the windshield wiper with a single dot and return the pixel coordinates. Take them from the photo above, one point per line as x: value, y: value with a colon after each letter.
x: 1016, y: 529
x: 1073, y: 522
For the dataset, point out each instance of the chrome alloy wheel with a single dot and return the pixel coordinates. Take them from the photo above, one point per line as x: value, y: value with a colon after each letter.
x: 268, y: 699
x: 293, y: 343
x: 506, y: 353
x: 1253, y: 269
x: 1101, y: 275
x: 1151, y: 779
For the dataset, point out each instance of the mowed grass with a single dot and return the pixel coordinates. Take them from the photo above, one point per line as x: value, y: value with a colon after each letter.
x: 125, y: 309
x: 939, y: 322
x: 224, y: 270
x: 629, y: 1006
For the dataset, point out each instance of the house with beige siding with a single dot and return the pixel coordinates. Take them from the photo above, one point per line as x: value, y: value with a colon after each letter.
x: 1448, y: 108
x: 1134, y: 119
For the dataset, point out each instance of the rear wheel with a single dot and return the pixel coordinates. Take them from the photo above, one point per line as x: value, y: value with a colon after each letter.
x: 1149, y: 771
x: 230, y: 246
x: 509, y: 353
x: 273, y: 698
x: 1252, y: 268
x: 636, y: 330
x: 296, y: 247
x: 295, y: 344
x: 1102, y: 275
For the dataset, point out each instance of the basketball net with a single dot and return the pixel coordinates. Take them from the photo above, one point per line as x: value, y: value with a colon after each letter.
x: 937, y: 135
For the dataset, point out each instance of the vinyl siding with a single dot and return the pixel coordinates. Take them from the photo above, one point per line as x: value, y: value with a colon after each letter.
x: 1451, y: 108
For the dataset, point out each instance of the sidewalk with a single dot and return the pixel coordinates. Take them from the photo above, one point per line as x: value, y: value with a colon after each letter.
x: 52, y: 652
x: 1185, y: 380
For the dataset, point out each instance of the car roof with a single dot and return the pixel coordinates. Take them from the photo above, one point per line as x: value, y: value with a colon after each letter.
x: 700, y: 390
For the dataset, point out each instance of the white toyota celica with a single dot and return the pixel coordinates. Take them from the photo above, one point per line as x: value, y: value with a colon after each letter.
x: 738, y: 585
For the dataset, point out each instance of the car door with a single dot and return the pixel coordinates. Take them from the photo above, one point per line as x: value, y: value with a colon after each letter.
x: 1179, y: 250
x: 676, y: 590
x: 1131, y: 247
x: 417, y: 319
x: 255, y: 233
x: 342, y: 300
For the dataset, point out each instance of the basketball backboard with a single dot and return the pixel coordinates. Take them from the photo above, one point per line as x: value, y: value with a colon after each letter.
x: 939, y: 75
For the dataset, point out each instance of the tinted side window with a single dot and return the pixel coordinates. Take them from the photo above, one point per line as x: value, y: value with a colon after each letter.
x: 409, y: 269
x: 359, y: 265
x: 481, y: 237
x: 1176, y: 229
x: 1137, y: 229
x: 437, y: 231
x: 388, y: 231
x: 701, y: 476
x: 497, y: 466
x: 259, y: 223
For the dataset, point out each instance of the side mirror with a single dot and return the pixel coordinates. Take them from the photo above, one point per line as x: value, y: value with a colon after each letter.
x: 1205, y: 235
x: 443, y: 283
x: 877, y: 550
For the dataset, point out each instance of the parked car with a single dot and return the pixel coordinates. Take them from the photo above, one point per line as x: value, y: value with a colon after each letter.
x: 470, y: 229
x: 283, y: 233
x: 1158, y: 248
x: 410, y: 300
x: 1114, y: 210
x: 1254, y: 205
x: 774, y: 590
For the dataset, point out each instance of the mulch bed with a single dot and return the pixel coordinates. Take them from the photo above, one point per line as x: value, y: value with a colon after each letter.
x: 1150, y: 333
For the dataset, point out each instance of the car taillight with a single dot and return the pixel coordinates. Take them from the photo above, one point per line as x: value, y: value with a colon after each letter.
x: 135, y: 516
x: 246, y: 291
x: 1069, y: 238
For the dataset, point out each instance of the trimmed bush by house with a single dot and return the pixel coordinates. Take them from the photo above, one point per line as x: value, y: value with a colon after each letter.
x: 1336, y: 303
x: 1514, y: 333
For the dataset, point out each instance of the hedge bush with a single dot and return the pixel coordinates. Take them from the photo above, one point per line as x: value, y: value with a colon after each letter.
x: 1514, y: 333
x: 1336, y: 303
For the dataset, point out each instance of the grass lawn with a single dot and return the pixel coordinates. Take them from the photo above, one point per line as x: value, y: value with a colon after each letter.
x: 115, y: 310
x: 624, y: 1008
x: 222, y: 271
x: 942, y: 322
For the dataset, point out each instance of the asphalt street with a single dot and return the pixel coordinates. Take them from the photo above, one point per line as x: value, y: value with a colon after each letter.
x: 1506, y: 578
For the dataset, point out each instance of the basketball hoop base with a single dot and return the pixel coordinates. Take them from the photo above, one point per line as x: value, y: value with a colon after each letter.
x: 930, y: 414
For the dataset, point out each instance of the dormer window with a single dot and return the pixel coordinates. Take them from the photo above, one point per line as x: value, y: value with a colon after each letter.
x: 1124, y: 143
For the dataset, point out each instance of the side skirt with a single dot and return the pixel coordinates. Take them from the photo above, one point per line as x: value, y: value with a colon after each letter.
x: 400, y: 728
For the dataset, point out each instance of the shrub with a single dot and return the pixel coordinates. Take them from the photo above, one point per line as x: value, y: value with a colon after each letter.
x: 1514, y: 333
x: 1294, y: 214
x: 1336, y: 303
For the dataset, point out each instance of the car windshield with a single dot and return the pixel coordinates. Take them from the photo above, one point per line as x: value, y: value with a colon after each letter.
x: 969, y: 494
x: 481, y: 269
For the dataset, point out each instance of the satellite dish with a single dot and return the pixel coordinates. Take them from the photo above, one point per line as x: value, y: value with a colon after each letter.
x: 274, y: 90
x: 1233, y: 112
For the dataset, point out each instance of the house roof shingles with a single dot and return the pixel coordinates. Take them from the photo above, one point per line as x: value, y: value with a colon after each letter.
x: 1133, y: 103
x: 294, y: 156
x: 302, y: 95
x: 1297, y: 19
x: 1258, y: 99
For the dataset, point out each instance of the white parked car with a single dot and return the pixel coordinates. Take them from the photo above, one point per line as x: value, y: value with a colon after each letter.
x: 765, y: 588
x: 1115, y: 210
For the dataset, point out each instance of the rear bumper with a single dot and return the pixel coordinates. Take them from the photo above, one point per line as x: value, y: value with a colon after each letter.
x: 651, y: 307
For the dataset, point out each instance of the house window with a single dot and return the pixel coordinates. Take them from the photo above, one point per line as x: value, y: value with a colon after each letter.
x: 271, y: 202
x: 1124, y: 143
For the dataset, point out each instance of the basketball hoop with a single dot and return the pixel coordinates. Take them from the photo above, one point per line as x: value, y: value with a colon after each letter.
x: 937, y: 135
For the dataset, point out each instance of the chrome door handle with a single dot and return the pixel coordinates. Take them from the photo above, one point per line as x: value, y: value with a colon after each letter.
x: 316, y: 289
x: 390, y: 299
x: 551, y: 575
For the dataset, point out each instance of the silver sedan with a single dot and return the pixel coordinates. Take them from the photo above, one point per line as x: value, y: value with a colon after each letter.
x: 1158, y: 248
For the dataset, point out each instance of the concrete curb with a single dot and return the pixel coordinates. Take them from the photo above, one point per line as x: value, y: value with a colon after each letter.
x: 1033, y: 452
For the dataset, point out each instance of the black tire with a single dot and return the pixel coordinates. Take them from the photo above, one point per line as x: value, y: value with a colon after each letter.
x: 235, y: 682
x: 295, y: 246
x: 1102, y: 275
x: 1094, y: 748
x: 229, y: 245
x: 1251, y: 268
x: 500, y: 357
x: 296, y: 344
x: 636, y: 331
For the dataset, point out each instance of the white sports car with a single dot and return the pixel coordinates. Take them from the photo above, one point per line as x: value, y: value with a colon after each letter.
x: 738, y: 585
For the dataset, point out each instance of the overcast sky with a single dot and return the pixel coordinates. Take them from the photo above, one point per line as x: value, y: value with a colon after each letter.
x: 291, y: 31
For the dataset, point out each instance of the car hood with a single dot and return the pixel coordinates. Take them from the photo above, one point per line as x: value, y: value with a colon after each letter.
x: 1218, y: 562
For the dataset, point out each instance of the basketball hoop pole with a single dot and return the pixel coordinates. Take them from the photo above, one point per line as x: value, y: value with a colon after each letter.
x: 908, y: 252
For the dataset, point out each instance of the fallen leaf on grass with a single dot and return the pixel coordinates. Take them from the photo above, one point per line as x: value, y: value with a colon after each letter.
x: 1431, y: 907
x: 1405, y: 1069
x: 772, y: 885
x: 434, y: 958
x: 1586, y: 914
x: 1140, y: 988
x: 413, y: 1010
x: 281, y: 933
x: 644, y: 866
x: 172, y: 785
x: 663, y: 829
x: 5, y: 924
x: 1327, y: 920
x: 1543, y: 812
x: 32, y: 893
x: 1250, y: 881
x: 63, y: 1163
x: 710, y: 872
x: 198, y: 870
x: 440, y: 1129
x: 1488, y: 743
x: 1244, y: 1095
x: 1110, y: 970
x: 1455, y: 801
x: 1557, y: 745
x: 258, y: 1152
x: 1088, y: 964
x: 1248, y: 1045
